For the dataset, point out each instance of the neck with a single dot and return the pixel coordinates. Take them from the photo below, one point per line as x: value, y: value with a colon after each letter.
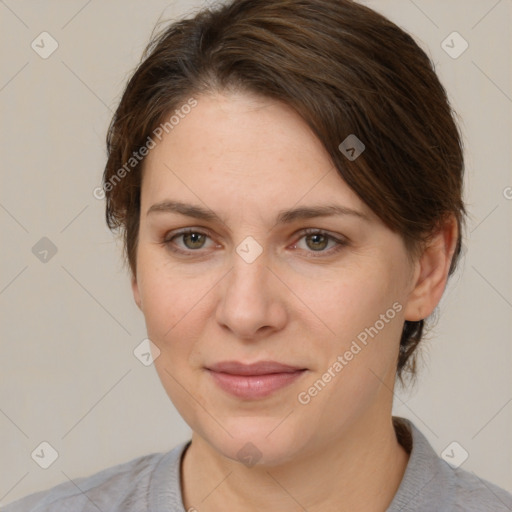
x: 361, y: 470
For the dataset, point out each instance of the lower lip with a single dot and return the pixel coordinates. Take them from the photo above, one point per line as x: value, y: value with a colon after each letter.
x: 251, y: 387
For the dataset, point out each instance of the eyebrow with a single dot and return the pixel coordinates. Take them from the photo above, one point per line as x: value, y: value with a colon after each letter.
x: 283, y: 217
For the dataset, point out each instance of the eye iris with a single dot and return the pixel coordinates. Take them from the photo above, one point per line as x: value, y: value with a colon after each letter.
x: 318, y: 242
x: 194, y: 240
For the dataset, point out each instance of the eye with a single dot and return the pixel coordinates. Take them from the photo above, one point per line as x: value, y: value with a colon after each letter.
x: 190, y: 240
x: 317, y: 241
x: 193, y: 240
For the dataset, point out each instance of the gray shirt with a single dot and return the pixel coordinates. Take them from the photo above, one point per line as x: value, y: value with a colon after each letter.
x: 152, y: 483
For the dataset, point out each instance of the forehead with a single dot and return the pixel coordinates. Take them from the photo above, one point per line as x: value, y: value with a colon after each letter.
x: 237, y: 150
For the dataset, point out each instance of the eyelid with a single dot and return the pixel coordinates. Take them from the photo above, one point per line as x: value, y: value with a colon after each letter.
x: 325, y: 232
x: 340, y: 240
x: 167, y: 240
x: 185, y: 231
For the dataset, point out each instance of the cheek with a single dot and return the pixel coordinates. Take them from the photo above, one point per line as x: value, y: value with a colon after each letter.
x: 175, y: 307
x: 176, y: 310
x: 350, y: 301
x: 362, y: 309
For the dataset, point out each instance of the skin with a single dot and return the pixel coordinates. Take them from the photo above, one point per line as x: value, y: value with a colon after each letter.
x: 246, y: 159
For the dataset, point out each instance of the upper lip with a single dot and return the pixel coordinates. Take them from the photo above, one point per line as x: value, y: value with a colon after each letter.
x: 259, y: 368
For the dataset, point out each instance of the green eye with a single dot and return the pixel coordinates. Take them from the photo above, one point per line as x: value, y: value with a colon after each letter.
x: 193, y: 240
x: 188, y: 241
x: 317, y: 242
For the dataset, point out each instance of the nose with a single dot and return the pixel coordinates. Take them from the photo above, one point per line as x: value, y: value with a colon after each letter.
x: 251, y: 303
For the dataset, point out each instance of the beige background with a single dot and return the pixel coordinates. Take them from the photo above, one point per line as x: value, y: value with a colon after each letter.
x: 69, y: 327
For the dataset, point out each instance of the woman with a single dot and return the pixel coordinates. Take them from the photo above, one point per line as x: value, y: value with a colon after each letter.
x: 288, y: 179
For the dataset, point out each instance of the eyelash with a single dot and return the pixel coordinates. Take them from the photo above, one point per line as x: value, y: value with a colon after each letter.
x: 340, y: 243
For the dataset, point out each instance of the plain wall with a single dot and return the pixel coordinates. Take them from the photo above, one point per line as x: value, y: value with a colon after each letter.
x: 69, y: 325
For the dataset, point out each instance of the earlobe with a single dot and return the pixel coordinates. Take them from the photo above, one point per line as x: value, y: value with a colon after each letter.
x: 431, y: 272
x: 136, y: 293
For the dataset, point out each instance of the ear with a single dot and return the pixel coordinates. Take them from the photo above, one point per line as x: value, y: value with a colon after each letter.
x: 136, y: 293
x: 431, y: 272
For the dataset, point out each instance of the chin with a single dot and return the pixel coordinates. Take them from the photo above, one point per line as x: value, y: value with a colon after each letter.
x: 257, y: 442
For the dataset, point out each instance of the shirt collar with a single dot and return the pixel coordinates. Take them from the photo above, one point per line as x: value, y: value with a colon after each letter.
x: 426, y: 478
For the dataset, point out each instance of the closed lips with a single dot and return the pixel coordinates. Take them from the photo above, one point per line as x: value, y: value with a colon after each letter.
x: 253, y: 381
x: 259, y: 368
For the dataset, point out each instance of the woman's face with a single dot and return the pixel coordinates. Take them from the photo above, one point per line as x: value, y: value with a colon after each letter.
x: 280, y: 262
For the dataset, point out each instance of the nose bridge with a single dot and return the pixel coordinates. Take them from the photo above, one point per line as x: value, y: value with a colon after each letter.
x: 248, y: 281
x: 249, y: 301
x: 249, y: 261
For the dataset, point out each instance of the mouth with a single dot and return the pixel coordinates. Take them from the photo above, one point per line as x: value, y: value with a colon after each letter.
x: 253, y: 381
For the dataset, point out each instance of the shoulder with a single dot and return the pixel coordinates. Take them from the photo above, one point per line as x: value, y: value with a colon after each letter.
x: 124, y: 487
x: 472, y: 493
x: 430, y: 483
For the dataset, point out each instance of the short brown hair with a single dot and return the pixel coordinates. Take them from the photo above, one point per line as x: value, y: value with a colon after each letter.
x: 346, y: 70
